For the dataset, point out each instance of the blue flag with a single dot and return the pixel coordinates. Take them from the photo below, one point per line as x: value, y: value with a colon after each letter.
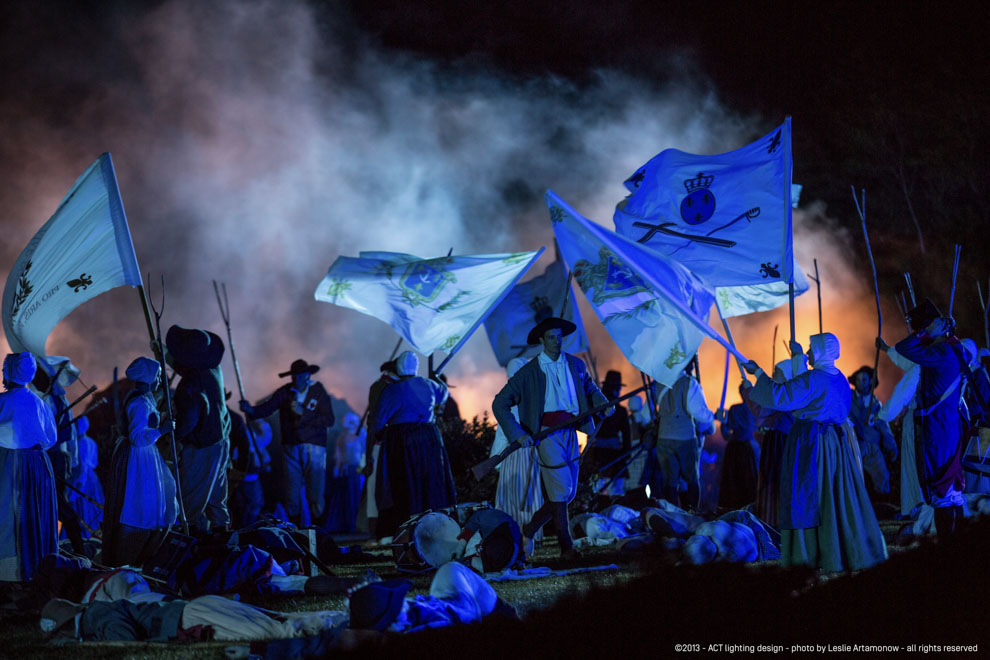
x: 654, y: 308
x: 527, y: 304
x: 727, y: 217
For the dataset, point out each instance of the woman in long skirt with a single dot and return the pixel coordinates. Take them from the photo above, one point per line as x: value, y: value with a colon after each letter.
x: 28, y: 507
x: 825, y: 514
x: 414, y: 469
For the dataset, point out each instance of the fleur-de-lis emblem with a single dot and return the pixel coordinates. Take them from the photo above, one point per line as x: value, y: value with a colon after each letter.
x: 769, y: 270
x: 80, y: 284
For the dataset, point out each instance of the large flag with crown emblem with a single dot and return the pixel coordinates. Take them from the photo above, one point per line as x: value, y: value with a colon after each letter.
x: 727, y: 217
x: 527, y: 304
x: 82, y: 251
x: 653, y: 307
x: 434, y: 304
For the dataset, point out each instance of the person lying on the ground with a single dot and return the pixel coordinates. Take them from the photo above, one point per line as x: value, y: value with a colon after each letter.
x: 76, y: 579
x: 457, y: 595
x: 200, y: 619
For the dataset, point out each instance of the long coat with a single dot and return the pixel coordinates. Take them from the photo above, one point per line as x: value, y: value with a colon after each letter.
x: 558, y: 452
x: 527, y: 389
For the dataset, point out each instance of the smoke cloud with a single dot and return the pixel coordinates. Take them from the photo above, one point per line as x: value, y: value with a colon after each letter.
x: 255, y: 142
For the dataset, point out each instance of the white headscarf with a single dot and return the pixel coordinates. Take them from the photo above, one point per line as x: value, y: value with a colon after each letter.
x: 19, y: 368
x: 825, y: 349
x: 407, y: 364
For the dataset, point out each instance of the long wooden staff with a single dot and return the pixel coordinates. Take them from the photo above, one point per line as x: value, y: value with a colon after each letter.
x: 160, y: 354
x: 224, y: 305
x: 955, y: 271
x: 983, y: 306
x: 818, y: 286
x: 861, y: 210
x: 487, y: 465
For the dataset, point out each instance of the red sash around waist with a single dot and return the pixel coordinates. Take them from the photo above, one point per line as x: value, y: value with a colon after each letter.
x: 555, y: 417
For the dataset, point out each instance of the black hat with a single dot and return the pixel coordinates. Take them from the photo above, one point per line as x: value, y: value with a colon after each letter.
x: 194, y: 348
x: 300, y: 367
x: 864, y: 369
x: 500, y: 548
x: 377, y: 605
x: 921, y: 316
x: 549, y: 323
x: 613, y: 379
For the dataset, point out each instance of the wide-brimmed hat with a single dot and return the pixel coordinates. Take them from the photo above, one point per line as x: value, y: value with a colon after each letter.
x: 549, y: 323
x: 58, y: 618
x: 920, y: 317
x: 865, y: 369
x: 194, y: 348
x: 613, y: 379
x: 497, y: 551
x: 376, y: 606
x: 300, y: 367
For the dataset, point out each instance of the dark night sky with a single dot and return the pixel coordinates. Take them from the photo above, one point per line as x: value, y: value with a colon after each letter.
x: 214, y: 109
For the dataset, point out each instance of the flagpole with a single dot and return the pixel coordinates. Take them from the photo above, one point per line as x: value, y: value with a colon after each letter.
x: 728, y: 333
x: 495, y: 304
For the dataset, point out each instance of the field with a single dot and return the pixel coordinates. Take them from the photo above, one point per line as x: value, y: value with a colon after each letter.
x: 927, y: 593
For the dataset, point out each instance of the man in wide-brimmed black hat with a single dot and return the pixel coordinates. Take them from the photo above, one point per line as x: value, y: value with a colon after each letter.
x: 305, y: 415
x: 550, y: 389
x: 202, y: 425
x: 937, y: 422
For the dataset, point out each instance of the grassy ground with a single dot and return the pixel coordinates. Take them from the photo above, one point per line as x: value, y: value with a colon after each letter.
x: 20, y: 636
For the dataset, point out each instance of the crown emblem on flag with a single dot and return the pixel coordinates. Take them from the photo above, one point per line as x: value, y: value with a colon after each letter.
x: 699, y: 182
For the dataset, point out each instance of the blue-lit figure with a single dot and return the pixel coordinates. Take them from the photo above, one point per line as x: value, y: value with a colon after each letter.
x: 825, y: 516
x: 28, y: 515
x: 413, y: 466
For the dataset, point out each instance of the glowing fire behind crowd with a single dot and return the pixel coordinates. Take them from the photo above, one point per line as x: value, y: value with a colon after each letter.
x: 253, y: 150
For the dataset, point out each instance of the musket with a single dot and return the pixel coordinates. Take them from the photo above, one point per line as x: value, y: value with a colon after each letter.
x: 487, y: 465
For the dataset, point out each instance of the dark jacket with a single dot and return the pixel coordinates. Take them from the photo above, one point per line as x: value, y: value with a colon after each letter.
x: 201, y: 417
x: 309, y: 427
x: 527, y: 389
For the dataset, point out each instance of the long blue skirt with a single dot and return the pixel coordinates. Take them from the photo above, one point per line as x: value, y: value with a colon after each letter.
x: 414, y: 475
x: 28, y: 512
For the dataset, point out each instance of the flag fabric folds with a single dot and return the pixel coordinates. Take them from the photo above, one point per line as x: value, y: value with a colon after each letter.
x: 527, y: 304
x: 727, y: 217
x: 82, y: 251
x: 652, y: 306
x: 434, y: 304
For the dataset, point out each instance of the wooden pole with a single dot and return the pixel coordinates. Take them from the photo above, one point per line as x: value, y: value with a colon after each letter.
x: 728, y: 334
x: 818, y: 286
x: 861, y: 210
x: 160, y: 354
x: 910, y: 287
x: 955, y: 271
x: 224, y: 305
x: 983, y: 307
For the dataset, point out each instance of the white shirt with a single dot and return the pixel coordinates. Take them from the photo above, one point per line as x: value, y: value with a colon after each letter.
x: 561, y: 393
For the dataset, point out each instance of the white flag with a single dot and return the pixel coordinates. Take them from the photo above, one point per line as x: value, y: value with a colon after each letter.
x: 727, y: 217
x: 434, y: 304
x: 82, y: 251
x: 527, y: 304
x: 653, y: 307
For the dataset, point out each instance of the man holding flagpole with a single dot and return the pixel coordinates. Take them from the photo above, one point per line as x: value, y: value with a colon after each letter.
x: 549, y: 390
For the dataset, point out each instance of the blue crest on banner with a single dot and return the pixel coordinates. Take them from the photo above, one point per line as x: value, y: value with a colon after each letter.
x: 699, y: 205
x: 423, y: 281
